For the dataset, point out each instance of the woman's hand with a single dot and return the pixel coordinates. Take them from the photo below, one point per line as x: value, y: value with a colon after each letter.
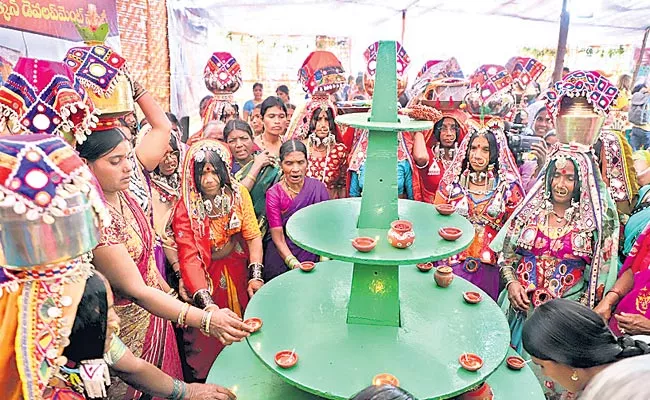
x: 182, y: 292
x: 226, y: 326
x: 633, y: 324
x: 253, y: 286
x: 262, y: 159
x: 518, y: 297
x: 604, y: 309
x: 206, y: 391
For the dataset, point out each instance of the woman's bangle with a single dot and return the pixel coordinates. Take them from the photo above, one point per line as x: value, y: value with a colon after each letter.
x: 179, y: 391
x: 291, y: 261
x: 182, y: 317
x: 202, y: 298
x: 205, y: 322
x: 255, y: 271
x: 616, y: 292
x: 138, y: 91
x: 251, y: 177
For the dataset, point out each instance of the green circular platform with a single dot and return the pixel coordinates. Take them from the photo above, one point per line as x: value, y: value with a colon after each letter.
x: 404, y: 123
x: 327, y: 229
x: 307, y: 311
x: 238, y: 369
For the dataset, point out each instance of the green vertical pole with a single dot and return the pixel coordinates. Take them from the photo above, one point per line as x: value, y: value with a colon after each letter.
x: 374, y: 296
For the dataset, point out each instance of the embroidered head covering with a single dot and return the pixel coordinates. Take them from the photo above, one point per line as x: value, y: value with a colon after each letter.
x: 490, y: 94
x: 321, y: 72
x: 594, y: 215
x: 97, y: 68
x: 42, y: 96
x: 48, y: 192
x: 524, y: 70
x: 403, y: 61
x: 618, y: 166
x: 222, y: 76
x: 433, y: 70
x: 591, y: 85
x: 320, y: 75
x: 579, y: 104
x: 190, y: 194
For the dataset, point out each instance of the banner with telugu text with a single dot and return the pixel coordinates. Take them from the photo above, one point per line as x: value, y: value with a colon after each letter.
x: 57, y: 18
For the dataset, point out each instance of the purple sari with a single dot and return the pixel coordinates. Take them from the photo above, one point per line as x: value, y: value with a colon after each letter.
x: 279, y: 208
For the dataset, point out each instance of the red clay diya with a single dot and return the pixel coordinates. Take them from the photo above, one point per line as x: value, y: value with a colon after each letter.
x: 254, y: 323
x: 385, y: 379
x: 450, y: 233
x: 470, y: 362
x: 445, y: 209
x: 483, y: 392
x: 515, y: 362
x: 425, y: 267
x: 307, y: 266
x: 286, y: 358
x: 400, y: 234
x: 364, y: 244
x: 472, y: 297
x: 443, y: 276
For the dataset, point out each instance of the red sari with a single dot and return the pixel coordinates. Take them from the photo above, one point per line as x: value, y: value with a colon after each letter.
x: 149, y: 337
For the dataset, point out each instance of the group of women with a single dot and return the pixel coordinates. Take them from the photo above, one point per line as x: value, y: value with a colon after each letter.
x: 196, y: 230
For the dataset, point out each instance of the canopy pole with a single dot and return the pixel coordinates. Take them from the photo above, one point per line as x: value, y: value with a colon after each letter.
x: 637, y: 67
x: 561, y: 43
x: 403, y: 26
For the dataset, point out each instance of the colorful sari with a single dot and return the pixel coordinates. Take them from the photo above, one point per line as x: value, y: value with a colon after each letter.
x: 149, y: 337
x: 279, y: 208
x: 330, y: 169
x: 637, y: 301
x: 197, y: 237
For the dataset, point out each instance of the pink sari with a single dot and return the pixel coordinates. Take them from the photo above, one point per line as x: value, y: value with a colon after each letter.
x: 147, y: 336
x: 638, y: 300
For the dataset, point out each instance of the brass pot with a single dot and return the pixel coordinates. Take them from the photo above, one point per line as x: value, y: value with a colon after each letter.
x: 28, y: 243
x: 119, y: 103
x: 577, y: 122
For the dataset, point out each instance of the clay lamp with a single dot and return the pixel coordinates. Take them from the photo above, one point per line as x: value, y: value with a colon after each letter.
x: 254, y: 323
x: 385, y: 379
x: 364, y: 244
x: 425, y: 267
x: 286, y: 358
x: 470, y: 362
x: 472, y: 297
x: 445, y: 209
x: 450, y: 233
x: 307, y: 266
x: 515, y: 362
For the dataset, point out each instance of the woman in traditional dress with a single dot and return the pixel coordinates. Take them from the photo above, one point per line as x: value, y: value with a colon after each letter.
x: 433, y: 157
x: 256, y: 170
x: 217, y: 235
x: 166, y: 182
x: 94, y: 343
x: 125, y: 256
x: 294, y: 192
x: 327, y: 158
x: 630, y: 295
x: 483, y: 181
x: 274, y: 116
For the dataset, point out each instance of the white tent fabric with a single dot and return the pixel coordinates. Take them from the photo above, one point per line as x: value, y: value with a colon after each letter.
x: 474, y: 31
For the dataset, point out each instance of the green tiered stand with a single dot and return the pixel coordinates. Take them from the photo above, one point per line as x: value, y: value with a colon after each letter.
x: 370, y: 313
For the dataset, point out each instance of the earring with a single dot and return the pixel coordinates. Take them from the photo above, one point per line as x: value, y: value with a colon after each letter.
x: 574, y: 376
